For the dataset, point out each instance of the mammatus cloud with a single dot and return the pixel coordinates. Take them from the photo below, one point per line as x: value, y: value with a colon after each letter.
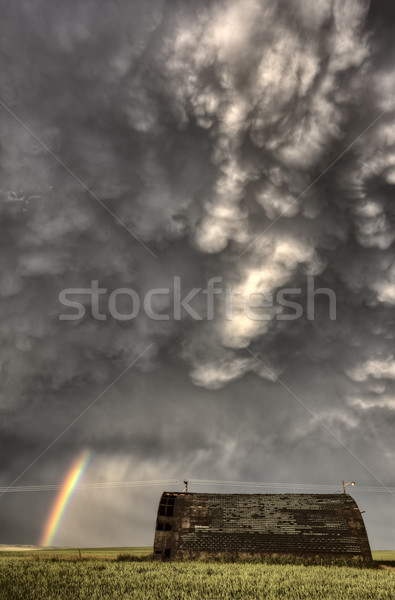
x: 198, y: 127
x: 207, y: 129
x: 378, y: 369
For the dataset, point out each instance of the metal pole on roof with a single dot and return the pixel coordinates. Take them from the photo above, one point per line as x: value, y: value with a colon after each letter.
x: 344, y: 485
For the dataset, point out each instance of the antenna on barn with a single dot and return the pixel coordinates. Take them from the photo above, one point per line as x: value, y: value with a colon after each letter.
x: 185, y: 490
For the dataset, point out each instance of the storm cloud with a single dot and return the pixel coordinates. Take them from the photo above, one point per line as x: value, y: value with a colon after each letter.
x: 245, y: 140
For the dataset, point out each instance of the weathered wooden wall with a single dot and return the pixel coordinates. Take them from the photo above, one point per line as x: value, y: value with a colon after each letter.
x: 189, y: 525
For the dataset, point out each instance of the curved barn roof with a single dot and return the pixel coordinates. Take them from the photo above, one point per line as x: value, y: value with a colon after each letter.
x: 189, y: 524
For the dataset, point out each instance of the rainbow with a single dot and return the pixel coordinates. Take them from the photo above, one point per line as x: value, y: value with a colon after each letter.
x: 72, y: 478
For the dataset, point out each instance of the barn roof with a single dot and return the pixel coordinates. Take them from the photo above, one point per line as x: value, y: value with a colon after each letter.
x: 189, y: 524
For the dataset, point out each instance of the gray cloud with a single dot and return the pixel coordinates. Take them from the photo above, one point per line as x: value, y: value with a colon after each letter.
x: 198, y: 126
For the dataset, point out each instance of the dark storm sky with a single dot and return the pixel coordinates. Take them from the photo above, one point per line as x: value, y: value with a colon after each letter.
x: 197, y: 125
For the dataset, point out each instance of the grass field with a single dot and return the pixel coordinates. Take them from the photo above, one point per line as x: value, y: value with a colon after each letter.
x: 379, y: 555
x: 69, y: 553
x: 383, y: 555
x: 59, y: 574
x: 104, y: 580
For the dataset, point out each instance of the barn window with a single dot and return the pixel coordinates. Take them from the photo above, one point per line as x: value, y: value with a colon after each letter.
x: 163, y: 527
x: 166, y: 506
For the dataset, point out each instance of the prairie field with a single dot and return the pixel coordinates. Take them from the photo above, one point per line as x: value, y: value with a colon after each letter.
x: 106, y: 574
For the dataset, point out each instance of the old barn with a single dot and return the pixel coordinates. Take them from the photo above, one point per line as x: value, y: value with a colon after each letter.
x: 192, y: 524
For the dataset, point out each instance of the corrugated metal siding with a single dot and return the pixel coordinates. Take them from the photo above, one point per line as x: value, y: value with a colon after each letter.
x: 193, y: 524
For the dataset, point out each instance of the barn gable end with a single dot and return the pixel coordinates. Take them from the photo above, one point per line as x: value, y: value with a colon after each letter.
x: 190, y: 525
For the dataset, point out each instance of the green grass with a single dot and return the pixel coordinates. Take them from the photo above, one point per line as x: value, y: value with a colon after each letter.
x: 384, y: 555
x: 111, y: 552
x: 34, y: 576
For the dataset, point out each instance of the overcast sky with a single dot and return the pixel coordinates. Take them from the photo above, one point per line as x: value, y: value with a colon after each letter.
x: 157, y: 145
